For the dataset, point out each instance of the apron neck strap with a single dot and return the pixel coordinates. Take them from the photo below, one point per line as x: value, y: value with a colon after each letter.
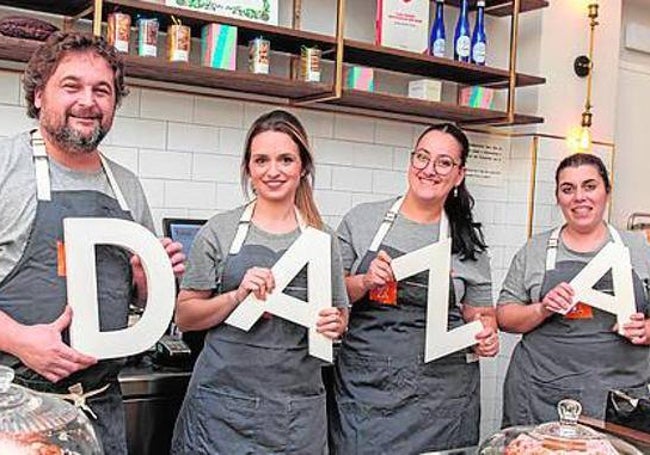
x: 389, y: 219
x: 244, y: 225
x: 113, y: 183
x: 42, y: 165
x: 554, y: 241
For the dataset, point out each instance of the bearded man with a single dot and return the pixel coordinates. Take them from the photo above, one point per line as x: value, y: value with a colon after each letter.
x: 73, y: 85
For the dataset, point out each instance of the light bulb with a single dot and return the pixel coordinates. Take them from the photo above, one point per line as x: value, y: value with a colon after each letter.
x: 584, y: 140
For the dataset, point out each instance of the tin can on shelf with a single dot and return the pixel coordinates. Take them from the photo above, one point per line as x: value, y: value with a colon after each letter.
x: 147, y: 37
x: 118, y: 31
x: 259, y: 50
x: 178, y: 43
x: 310, y: 64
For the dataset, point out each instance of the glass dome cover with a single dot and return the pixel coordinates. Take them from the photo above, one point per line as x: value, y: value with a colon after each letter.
x: 566, y: 437
x: 32, y: 423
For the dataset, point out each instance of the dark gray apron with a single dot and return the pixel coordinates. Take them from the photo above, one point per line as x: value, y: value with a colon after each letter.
x: 255, y: 392
x: 388, y: 401
x: 33, y: 293
x: 573, y: 358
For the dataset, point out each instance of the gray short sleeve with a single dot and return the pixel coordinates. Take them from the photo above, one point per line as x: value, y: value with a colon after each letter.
x: 208, y: 252
x: 473, y: 280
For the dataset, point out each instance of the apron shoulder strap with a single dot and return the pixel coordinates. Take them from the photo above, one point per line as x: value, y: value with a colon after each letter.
x: 616, y: 236
x: 42, y: 167
x: 113, y: 183
x: 551, y: 248
x: 244, y: 224
x: 242, y: 229
x: 384, y: 227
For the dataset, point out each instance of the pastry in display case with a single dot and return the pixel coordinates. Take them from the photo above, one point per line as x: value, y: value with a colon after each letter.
x: 566, y: 437
x: 33, y: 423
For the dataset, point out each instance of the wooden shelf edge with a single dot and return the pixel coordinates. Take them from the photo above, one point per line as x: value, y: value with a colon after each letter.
x: 358, y: 52
x: 502, y: 8
x: 400, y: 107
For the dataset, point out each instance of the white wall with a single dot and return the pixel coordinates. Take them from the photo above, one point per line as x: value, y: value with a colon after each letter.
x: 632, y: 164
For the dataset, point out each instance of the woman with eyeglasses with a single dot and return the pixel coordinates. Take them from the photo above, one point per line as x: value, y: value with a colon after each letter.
x: 576, y: 354
x: 257, y: 391
x: 388, y: 400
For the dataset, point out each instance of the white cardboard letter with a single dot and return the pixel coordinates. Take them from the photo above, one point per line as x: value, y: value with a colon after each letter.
x: 617, y: 258
x: 81, y: 236
x: 436, y: 259
x: 311, y: 248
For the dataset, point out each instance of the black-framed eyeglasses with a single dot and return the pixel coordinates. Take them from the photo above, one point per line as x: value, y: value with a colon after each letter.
x: 442, y: 164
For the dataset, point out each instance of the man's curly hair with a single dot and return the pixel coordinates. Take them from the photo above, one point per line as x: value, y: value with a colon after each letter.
x: 46, y: 59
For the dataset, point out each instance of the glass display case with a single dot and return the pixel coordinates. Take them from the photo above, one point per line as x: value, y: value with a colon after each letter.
x: 566, y: 437
x: 33, y: 423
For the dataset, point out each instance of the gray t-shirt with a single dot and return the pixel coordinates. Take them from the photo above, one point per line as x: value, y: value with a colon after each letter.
x: 212, y: 244
x: 523, y: 283
x: 18, y: 194
x: 472, y: 278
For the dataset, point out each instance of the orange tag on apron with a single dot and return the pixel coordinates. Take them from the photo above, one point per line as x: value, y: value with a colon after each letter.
x: 60, y: 258
x: 580, y: 311
x: 386, y: 295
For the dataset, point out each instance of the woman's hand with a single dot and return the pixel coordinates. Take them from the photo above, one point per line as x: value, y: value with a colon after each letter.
x: 331, y: 322
x: 636, y: 330
x: 558, y: 300
x: 257, y: 280
x: 379, y: 273
x: 488, y: 341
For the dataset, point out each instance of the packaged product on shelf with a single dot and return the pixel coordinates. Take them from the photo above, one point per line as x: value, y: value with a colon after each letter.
x: 178, y: 43
x: 147, y: 37
x: 310, y: 64
x: 119, y: 31
x: 219, y: 46
x: 403, y: 24
x: 259, y: 53
x: 361, y: 78
x: 476, y: 97
x: 425, y: 89
x: 479, y: 39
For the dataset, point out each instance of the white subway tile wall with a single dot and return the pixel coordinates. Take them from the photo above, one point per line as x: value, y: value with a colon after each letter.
x: 187, y: 149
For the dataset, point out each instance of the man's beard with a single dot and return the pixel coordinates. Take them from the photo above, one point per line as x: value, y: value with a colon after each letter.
x: 72, y: 140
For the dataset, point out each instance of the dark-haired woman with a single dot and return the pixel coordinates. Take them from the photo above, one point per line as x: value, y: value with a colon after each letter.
x: 257, y: 392
x: 387, y: 399
x: 578, y: 355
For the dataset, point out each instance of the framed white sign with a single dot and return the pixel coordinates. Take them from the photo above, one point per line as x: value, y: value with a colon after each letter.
x: 265, y: 11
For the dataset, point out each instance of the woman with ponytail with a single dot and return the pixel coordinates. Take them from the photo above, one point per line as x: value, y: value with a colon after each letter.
x: 388, y: 400
x: 257, y: 391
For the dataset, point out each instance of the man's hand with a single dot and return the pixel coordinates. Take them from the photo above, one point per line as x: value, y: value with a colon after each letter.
x: 174, y: 251
x: 41, y: 348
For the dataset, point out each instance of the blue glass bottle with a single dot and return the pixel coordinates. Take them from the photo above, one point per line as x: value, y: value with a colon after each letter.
x: 462, y: 40
x: 438, y: 40
x: 479, y: 39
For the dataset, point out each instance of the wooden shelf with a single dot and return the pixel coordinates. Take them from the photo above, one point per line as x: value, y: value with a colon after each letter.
x: 360, y: 53
x: 61, y: 7
x: 283, y: 39
x: 504, y: 7
x: 157, y: 69
x: 400, y: 107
